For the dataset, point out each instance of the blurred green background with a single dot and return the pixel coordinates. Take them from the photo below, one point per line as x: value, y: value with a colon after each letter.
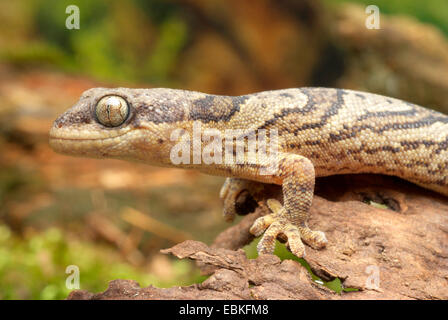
x: 101, y: 215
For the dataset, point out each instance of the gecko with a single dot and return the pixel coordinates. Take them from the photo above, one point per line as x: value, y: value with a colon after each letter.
x: 318, y: 132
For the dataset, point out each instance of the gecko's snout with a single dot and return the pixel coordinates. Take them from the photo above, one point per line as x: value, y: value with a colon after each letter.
x: 92, y: 127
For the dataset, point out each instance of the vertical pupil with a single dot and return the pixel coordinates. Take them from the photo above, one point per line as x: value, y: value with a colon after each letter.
x: 112, y: 111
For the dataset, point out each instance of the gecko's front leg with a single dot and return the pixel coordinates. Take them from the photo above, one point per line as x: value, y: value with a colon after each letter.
x: 296, y: 174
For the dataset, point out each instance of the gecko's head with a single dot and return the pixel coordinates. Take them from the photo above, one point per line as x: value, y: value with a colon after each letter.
x: 131, y: 124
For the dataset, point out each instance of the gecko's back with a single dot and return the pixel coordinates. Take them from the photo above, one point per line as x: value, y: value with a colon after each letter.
x: 345, y: 131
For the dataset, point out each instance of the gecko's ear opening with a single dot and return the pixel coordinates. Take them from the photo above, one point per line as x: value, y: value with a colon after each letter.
x: 112, y: 111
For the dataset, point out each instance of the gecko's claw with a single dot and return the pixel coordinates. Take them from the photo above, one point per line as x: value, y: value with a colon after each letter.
x: 277, y: 224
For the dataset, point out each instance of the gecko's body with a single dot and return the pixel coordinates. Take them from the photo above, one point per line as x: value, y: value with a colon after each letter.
x: 321, y: 132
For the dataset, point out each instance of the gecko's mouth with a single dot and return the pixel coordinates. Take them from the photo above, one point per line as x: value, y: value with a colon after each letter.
x: 84, y: 134
x: 82, y: 142
x: 78, y: 147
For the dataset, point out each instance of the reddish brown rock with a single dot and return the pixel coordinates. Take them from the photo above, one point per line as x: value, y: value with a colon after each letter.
x: 405, y: 243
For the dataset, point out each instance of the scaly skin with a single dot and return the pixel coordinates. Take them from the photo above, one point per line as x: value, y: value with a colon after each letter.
x: 321, y: 132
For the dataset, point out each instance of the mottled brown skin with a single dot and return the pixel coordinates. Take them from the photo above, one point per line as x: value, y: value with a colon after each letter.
x: 321, y: 132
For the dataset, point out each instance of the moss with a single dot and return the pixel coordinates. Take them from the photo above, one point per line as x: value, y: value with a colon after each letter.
x: 34, y: 267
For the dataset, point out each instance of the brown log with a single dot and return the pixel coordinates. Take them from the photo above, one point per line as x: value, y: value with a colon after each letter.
x: 390, y: 227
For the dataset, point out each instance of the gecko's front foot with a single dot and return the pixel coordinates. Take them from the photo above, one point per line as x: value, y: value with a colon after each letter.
x: 237, y: 199
x: 277, y: 224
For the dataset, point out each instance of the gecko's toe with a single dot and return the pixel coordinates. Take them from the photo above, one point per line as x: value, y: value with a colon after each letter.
x: 227, y: 195
x: 228, y: 210
x: 267, y: 242
x: 261, y: 224
x: 276, y: 225
x: 225, y: 189
x: 315, y: 239
x: 275, y: 229
x: 295, y: 243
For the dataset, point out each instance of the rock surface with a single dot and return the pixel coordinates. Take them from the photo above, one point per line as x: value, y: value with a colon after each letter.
x: 396, y: 247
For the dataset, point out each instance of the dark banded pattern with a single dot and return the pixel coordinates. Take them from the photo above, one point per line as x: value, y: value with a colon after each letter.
x: 321, y: 132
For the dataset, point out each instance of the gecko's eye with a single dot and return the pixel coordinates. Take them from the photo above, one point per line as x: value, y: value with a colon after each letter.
x: 112, y: 111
